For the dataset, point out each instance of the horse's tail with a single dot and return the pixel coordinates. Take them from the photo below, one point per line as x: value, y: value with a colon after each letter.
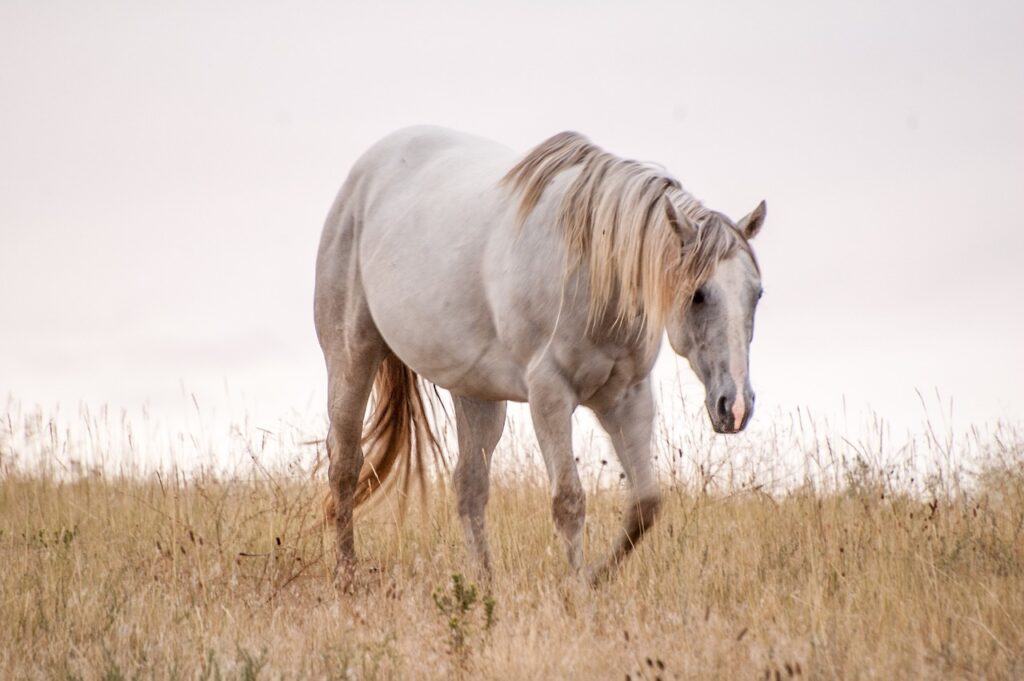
x: 397, y: 437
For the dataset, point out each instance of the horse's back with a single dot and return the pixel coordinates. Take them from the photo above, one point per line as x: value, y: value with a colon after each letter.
x: 413, y: 150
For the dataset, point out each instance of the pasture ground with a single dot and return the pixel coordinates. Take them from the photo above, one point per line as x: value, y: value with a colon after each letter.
x: 204, y: 576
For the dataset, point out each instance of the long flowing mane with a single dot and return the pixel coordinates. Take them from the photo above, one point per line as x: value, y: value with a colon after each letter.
x: 615, y: 218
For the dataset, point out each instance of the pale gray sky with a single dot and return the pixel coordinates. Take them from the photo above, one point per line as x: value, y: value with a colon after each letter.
x: 165, y: 169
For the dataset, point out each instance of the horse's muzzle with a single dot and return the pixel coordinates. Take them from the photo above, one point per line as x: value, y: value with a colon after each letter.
x: 729, y: 413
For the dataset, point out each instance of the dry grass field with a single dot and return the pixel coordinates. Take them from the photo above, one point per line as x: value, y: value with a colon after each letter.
x: 857, y: 569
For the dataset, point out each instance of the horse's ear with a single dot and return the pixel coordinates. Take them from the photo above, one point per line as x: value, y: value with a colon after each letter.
x: 751, y: 225
x: 680, y: 225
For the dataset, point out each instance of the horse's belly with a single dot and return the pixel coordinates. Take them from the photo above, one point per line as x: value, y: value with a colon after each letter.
x: 495, y: 376
x: 452, y: 352
x: 435, y: 317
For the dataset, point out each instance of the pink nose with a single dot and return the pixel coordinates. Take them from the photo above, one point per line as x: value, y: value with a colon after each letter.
x: 739, y: 412
x: 732, y: 413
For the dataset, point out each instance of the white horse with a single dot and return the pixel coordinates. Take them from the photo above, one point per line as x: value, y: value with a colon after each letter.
x: 547, y: 279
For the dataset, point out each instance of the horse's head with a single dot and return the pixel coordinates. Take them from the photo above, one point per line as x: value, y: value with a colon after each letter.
x: 713, y: 330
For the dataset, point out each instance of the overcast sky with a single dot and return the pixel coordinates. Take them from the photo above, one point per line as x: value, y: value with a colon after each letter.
x: 165, y: 169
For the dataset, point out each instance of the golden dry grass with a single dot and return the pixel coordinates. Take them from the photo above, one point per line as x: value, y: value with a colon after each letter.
x: 204, y: 576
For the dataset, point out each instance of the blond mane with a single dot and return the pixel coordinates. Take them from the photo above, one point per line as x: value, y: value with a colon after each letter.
x: 615, y: 219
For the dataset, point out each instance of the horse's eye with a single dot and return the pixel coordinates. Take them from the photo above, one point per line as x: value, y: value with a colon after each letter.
x: 698, y: 297
x: 760, y: 294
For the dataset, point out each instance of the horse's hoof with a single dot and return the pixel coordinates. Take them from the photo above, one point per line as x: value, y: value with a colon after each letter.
x: 599, y: 574
x: 345, y: 577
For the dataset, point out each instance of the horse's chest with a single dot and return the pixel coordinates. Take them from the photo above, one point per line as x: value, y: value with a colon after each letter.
x: 603, y: 380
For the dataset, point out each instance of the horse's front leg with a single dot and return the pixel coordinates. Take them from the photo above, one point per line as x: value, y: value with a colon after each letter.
x: 629, y: 423
x: 552, y: 402
x: 479, y: 426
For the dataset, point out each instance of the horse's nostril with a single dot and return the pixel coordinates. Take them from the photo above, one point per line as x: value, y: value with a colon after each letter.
x: 721, y: 406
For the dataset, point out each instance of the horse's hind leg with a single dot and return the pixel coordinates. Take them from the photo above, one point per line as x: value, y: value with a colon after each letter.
x: 479, y: 425
x: 353, y: 350
x: 630, y: 423
x: 350, y: 372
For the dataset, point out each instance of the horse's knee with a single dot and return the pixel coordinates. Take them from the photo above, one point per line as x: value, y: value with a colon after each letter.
x: 642, y: 513
x: 569, y: 508
x: 471, y: 495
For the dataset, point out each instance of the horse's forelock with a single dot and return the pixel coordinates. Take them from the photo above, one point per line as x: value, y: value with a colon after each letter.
x: 715, y: 240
